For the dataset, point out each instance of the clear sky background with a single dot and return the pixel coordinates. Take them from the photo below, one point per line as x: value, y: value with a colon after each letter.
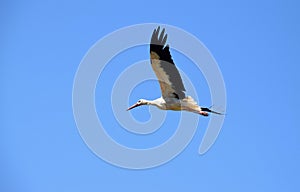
x: 256, y: 44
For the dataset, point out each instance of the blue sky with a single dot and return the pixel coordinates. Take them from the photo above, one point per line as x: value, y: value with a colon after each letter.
x: 256, y: 44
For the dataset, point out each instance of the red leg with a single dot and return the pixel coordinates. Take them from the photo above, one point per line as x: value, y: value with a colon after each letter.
x: 203, y: 113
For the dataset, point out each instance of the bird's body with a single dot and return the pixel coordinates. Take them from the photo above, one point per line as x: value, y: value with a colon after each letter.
x: 185, y: 104
x: 172, y: 88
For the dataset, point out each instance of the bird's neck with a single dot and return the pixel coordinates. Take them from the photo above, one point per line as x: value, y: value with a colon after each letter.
x: 157, y: 102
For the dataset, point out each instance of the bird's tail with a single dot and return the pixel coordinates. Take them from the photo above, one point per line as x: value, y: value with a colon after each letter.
x: 210, y: 111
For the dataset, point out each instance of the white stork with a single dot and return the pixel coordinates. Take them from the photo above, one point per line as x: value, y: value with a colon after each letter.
x: 173, y: 96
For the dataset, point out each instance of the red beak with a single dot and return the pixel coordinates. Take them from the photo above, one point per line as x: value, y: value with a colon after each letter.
x: 133, y: 106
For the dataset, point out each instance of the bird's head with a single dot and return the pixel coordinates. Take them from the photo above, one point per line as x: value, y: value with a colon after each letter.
x: 138, y: 103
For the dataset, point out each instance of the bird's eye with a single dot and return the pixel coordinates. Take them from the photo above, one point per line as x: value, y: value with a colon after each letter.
x: 139, y: 101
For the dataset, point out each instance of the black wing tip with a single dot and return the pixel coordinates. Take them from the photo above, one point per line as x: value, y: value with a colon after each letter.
x: 159, y: 38
x: 156, y: 30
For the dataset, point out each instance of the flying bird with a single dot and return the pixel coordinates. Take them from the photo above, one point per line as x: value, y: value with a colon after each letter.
x: 172, y: 89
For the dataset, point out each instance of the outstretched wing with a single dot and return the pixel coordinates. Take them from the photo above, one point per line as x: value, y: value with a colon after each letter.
x: 162, y: 63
